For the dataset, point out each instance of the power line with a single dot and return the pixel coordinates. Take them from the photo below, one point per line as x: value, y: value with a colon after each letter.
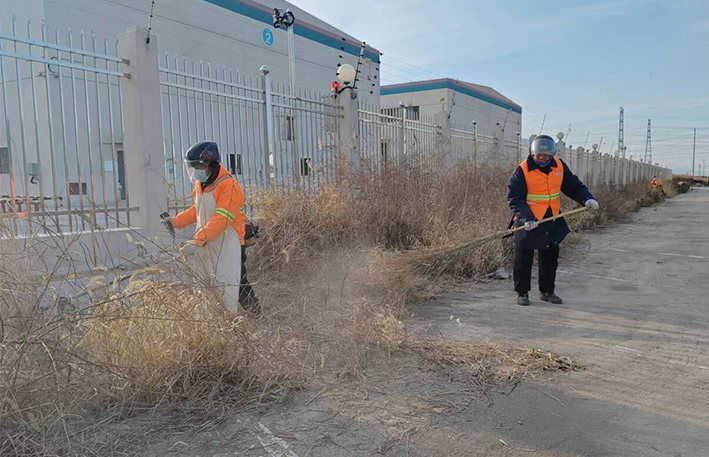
x: 414, y: 66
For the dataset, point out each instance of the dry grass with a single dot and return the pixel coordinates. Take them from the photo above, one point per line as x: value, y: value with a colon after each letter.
x: 492, y: 363
x: 329, y: 300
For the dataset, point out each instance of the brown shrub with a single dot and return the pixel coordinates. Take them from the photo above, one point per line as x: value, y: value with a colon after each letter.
x: 329, y: 299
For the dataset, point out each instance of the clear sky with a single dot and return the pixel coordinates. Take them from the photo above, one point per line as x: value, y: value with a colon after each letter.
x: 576, y: 61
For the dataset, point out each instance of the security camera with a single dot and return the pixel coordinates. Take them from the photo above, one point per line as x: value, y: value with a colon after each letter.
x: 282, y: 18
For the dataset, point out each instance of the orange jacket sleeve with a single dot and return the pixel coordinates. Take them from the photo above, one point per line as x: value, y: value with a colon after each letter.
x: 185, y: 218
x: 230, y: 199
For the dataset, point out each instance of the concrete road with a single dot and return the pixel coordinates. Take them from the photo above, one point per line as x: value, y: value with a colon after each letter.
x: 635, y: 313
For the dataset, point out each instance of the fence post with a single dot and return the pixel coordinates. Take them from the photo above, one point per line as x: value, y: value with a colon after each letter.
x: 142, y: 135
x: 445, y: 139
x: 268, y: 133
x: 560, y: 151
x: 475, y: 144
x: 348, y: 126
x: 402, y: 136
x: 519, y: 149
x: 580, y: 164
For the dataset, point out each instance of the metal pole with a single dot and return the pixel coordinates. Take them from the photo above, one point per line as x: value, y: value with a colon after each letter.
x: 475, y: 144
x: 402, y: 134
x: 26, y: 179
x: 8, y: 133
x: 74, y: 105
x: 65, y: 143
x: 694, y: 150
x: 291, y: 58
x: 269, y: 141
x: 35, y: 112
x: 50, y: 118
x: 114, y: 152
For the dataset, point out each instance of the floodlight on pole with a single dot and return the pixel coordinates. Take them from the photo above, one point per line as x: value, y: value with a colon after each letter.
x: 346, y: 74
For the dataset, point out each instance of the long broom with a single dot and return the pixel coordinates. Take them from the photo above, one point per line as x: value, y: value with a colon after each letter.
x: 439, y: 261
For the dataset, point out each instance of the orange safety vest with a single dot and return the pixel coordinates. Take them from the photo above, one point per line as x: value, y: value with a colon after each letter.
x: 544, y: 190
x: 229, y: 198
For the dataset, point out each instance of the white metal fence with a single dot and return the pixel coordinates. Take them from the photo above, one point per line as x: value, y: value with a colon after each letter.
x: 268, y: 133
x: 391, y: 136
x: 74, y: 116
x: 61, y: 133
x: 476, y: 147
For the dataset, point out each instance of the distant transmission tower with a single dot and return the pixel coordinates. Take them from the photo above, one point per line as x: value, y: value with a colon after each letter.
x: 621, y: 135
x: 648, y: 144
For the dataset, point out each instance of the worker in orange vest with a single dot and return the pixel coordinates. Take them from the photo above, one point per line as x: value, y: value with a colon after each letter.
x: 218, y: 213
x: 655, y: 183
x: 534, y: 193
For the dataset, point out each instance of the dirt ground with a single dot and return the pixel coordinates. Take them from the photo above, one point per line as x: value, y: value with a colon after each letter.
x: 636, y: 315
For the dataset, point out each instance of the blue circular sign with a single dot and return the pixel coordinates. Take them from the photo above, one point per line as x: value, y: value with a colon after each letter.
x: 268, y: 36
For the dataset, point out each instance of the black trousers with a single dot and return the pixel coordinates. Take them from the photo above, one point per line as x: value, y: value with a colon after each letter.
x: 247, y: 296
x: 548, y: 262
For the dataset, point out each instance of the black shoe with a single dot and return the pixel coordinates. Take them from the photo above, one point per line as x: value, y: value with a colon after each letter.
x: 551, y: 297
x: 523, y: 299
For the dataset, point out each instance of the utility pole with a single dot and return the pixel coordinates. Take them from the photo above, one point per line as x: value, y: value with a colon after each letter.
x: 694, y: 150
x: 704, y: 167
x: 621, y: 135
x: 648, y: 144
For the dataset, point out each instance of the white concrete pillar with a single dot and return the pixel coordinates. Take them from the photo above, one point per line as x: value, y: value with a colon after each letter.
x: 348, y: 129
x: 617, y: 171
x: 142, y: 135
x: 581, y: 164
x: 561, y: 150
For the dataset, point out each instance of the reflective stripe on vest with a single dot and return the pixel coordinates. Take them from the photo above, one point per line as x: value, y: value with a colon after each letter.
x: 223, y: 211
x: 544, y: 191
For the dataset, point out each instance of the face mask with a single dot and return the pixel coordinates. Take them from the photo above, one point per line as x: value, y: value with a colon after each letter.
x: 544, y: 163
x: 200, y: 175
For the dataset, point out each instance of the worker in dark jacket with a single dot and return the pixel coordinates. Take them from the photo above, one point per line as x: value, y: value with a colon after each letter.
x: 534, y: 193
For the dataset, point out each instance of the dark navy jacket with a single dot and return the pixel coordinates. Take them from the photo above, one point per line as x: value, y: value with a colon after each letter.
x: 549, y: 234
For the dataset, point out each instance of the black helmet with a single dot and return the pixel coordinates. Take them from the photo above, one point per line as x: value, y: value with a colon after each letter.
x: 542, y: 144
x: 203, y: 153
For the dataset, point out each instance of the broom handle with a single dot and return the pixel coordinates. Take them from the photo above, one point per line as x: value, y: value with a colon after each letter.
x: 552, y: 218
x: 517, y: 229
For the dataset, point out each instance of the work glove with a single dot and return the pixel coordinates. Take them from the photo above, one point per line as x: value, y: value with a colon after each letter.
x: 591, y: 203
x: 188, y: 248
x: 531, y: 225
